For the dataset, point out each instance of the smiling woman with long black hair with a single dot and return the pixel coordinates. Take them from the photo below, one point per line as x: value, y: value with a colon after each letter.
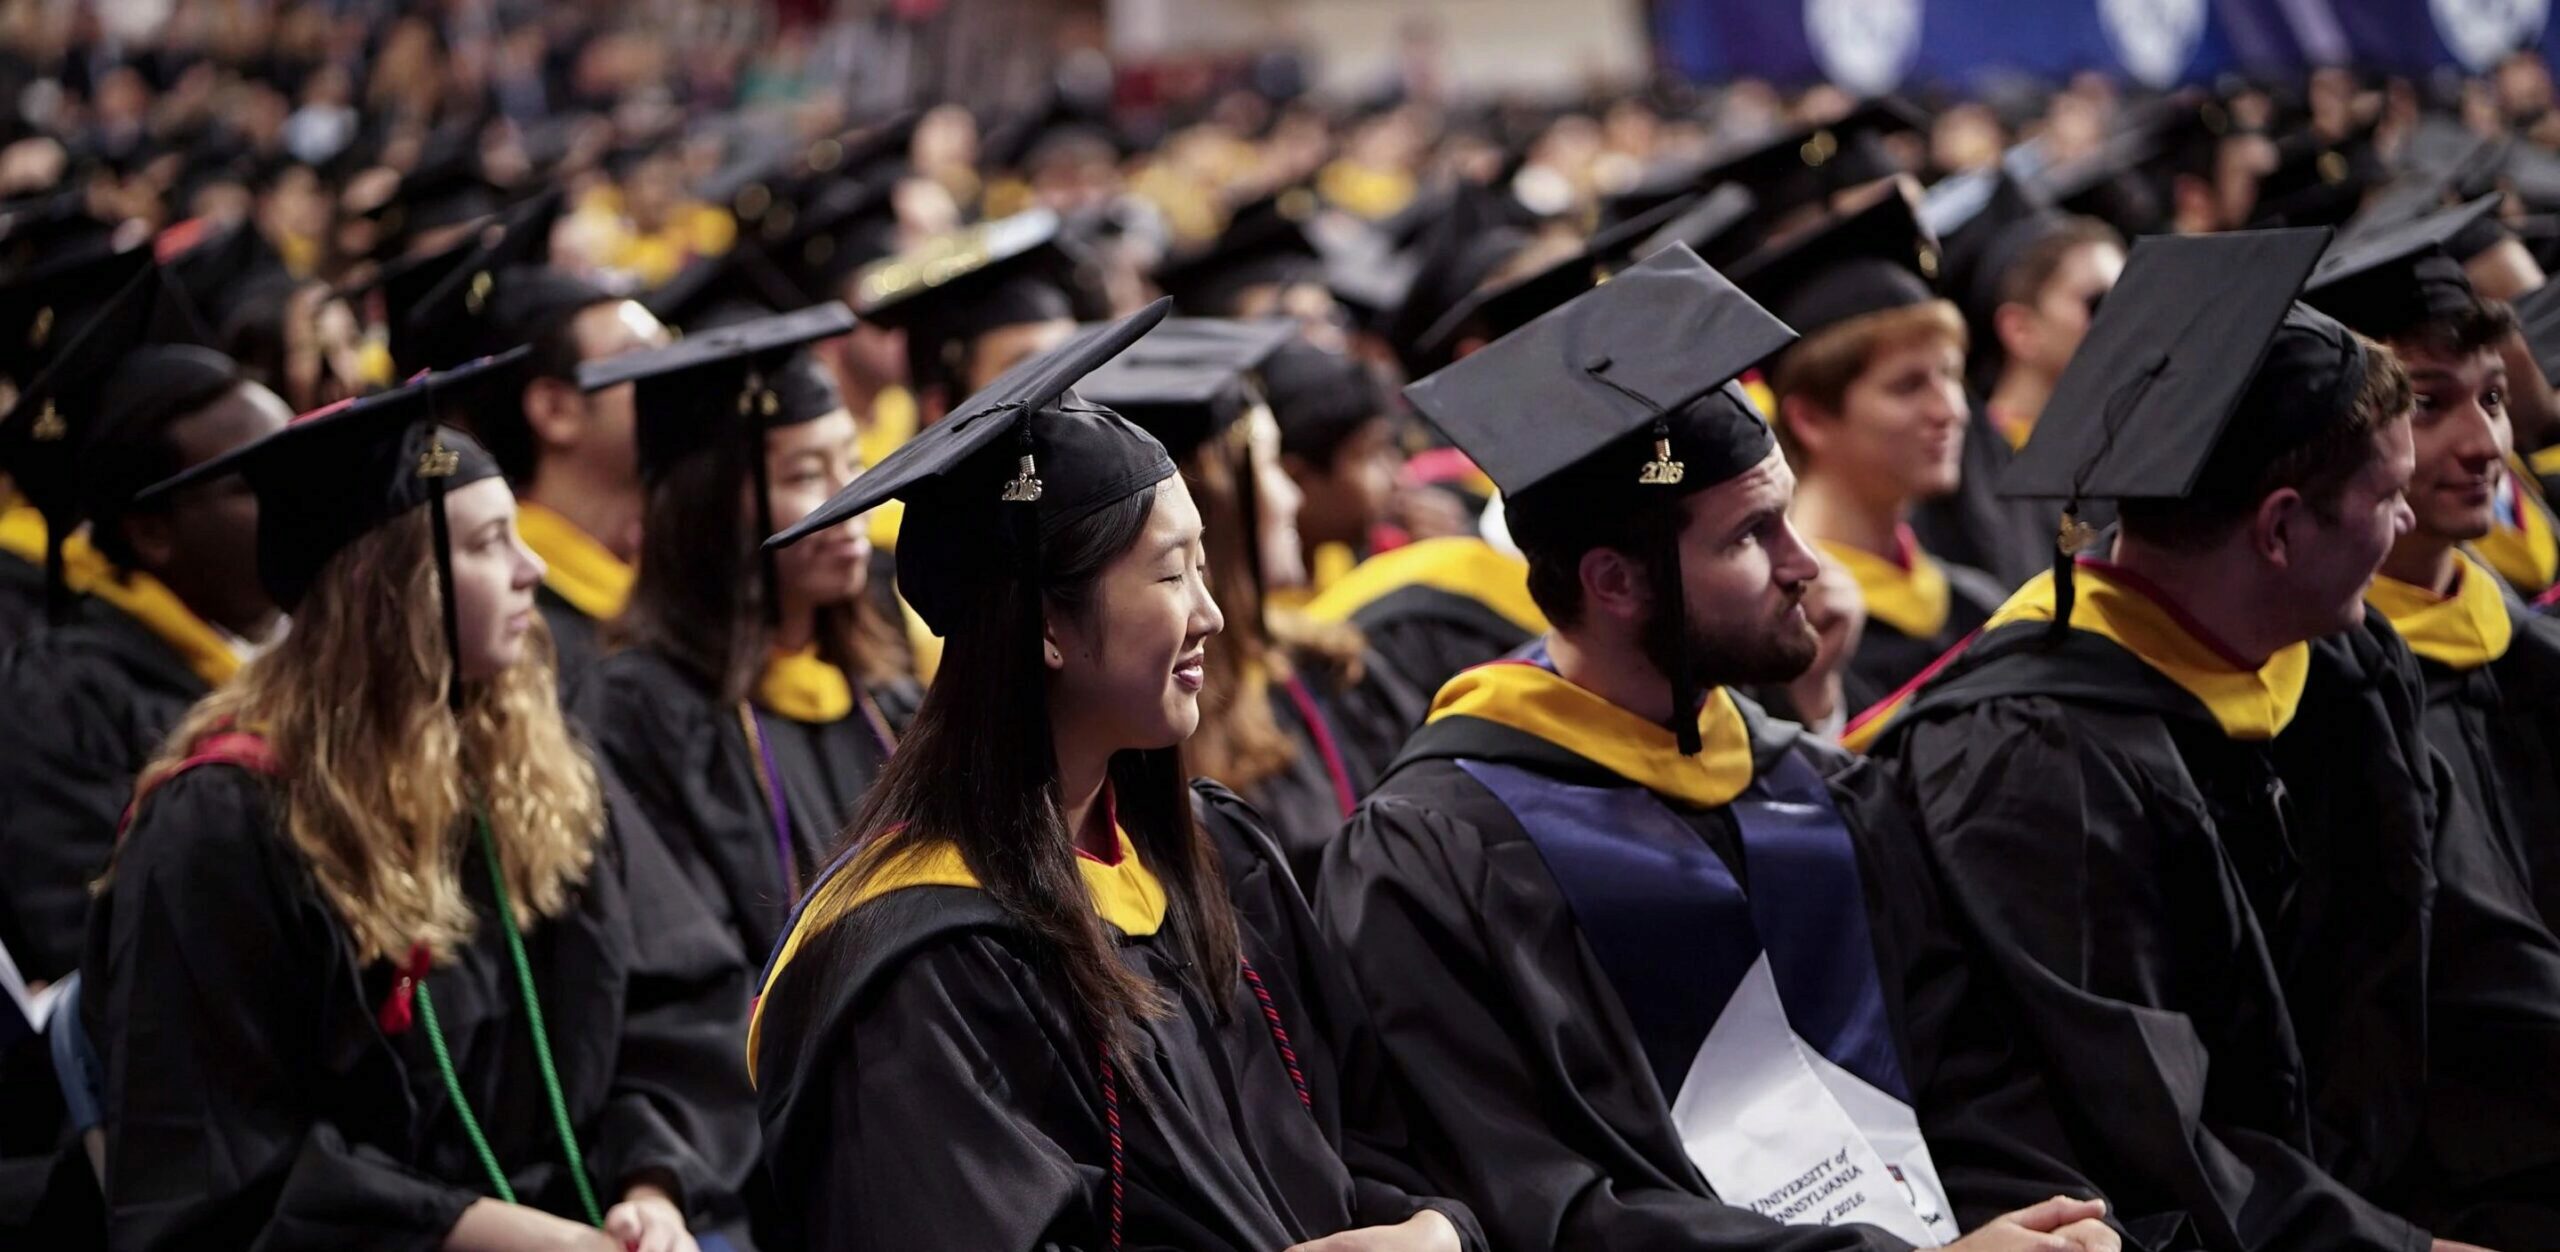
x: 1021, y: 1010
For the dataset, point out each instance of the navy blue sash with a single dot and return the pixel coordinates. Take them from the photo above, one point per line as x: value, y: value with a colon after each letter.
x: 1674, y: 932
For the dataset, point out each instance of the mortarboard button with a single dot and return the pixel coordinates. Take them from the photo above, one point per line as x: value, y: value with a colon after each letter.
x: 1598, y: 362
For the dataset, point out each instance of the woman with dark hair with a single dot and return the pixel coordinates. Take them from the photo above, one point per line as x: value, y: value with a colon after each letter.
x: 378, y: 961
x: 754, y: 696
x: 1021, y: 1009
x: 1284, y: 716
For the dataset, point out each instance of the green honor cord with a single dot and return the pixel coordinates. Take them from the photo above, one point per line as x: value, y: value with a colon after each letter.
x: 541, y: 1054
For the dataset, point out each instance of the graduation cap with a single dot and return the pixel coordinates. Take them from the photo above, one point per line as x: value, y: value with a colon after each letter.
x: 1875, y: 259
x: 1707, y: 225
x: 729, y: 383
x: 43, y: 310
x: 1187, y: 381
x: 743, y: 276
x: 449, y: 192
x: 2147, y: 405
x: 1625, y: 394
x: 1801, y: 166
x: 949, y: 290
x: 1472, y: 244
x: 2539, y: 310
x: 2317, y: 182
x: 841, y: 227
x: 1269, y: 242
x: 1981, y: 245
x: 499, y: 295
x: 1007, y: 469
x: 62, y: 416
x: 1497, y: 311
x: 2456, y: 178
x: 51, y: 228
x: 216, y: 275
x: 2383, y: 282
x: 337, y: 474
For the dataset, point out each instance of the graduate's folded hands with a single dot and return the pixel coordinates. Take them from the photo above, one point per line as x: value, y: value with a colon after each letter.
x: 2060, y: 1224
x: 1426, y: 1231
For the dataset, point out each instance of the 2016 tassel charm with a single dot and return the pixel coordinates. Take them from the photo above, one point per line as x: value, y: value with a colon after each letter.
x: 1025, y: 487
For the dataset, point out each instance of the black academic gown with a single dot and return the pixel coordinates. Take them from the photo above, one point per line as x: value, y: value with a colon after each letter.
x: 1887, y: 659
x: 2265, y: 976
x: 2498, y: 727
x: 925, y: 1085
x: 1348, y: 723
x: 576, y: 639
x: 2009, y: 540
x: 254, y: 1099
x: 21, y: 598
x: 1422, y: 636
x: 88, y: 704
x: 1533, y: 1099
x: 686, y: 758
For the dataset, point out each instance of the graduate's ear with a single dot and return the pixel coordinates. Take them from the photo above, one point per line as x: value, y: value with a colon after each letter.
x: 556, y: 411
x: 2279, y: 524
x: 1614, y: 586
x: 1051, y: 654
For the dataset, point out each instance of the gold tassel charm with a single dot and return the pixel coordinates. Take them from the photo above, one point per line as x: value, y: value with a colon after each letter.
x: 438, y: 461
x: 1662, y: 471
x: 49, y: 426
x: 1025, y: 487
x: 2073, y: 535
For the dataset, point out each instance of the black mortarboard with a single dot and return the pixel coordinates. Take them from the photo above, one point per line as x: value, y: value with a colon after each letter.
x: 145, y: 389
x: 732, y: 383
x: 838, y: 228
x: 42, y: 310
x: 339, y: 473
x: 218, y: 273
x: 1187, y: 380
x: 1459, y: 254
x: 51, y: 228
x: 2455, y: 178
x: 948, y: 291
x: 448, y: 192
x: 1981, y: 245
x: 2539, y: 310
x: 1802, y: 166
x: 1624, y: 394
x: 2317, y: 182
x: 2178, y: 368
x: 1497, y: 311
x: 62, y: 416
x: 721, y: 382
x: 1270, y: 241
x: 1708, y: 224
x: 743, y: 276
x: 501, y: 295
x: 2383, y: 282
x: 1875, y: 259
x: 2147, y: 405
x: 1008, y: 468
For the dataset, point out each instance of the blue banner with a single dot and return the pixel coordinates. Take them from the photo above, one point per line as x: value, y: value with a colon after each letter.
x: 1871, y: 46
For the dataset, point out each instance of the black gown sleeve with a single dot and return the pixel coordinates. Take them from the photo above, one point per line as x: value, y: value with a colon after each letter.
x: 205, y: 983
x: 1355, y: 1096
x: 67, y: 765
x: 2494, y: 1026
x: 1501, y: 1130
x: 951, y: 1096
x: 680, y: 1109
x: 2056, y: 850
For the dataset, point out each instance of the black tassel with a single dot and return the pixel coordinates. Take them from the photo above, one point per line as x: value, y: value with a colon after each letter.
x: 444, y: 589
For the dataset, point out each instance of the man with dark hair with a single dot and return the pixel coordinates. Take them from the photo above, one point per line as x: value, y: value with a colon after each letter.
x: 90, y: 699
x: 2182, y: 805
x: 2492, y: 666
x: 1339, y: 445
x: 1650, y: 982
